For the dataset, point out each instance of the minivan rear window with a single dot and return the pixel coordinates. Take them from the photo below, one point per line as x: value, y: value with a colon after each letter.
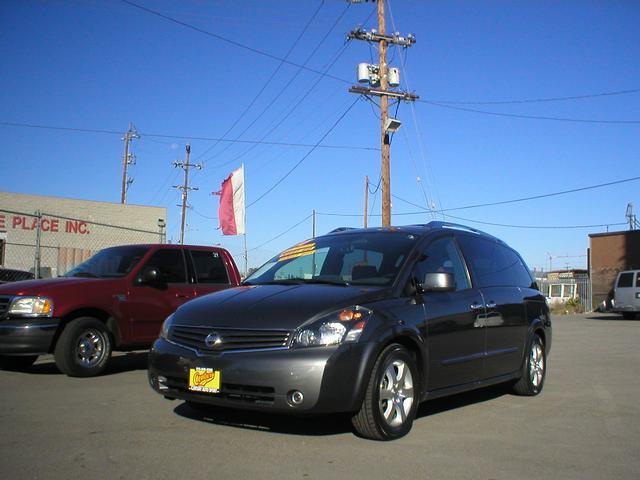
x: 625, y: 280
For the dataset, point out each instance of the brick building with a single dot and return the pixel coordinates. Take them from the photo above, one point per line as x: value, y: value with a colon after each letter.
x: 610, y: 253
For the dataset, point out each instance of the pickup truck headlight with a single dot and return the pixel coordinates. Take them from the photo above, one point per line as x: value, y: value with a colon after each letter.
x: 31, y: 307
x: 164, y: 332
x: 341, y: 326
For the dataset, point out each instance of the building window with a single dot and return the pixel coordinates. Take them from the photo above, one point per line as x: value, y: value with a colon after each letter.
x: 555, y: 291
x: 569, y: 290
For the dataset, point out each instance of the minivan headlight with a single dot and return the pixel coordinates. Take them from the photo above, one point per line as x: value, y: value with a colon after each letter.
x: 341, y: 326
x: 31, y: 307
x: 166, y: 326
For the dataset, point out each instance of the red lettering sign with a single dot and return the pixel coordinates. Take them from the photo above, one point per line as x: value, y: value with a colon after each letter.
x: 55, y: 225
x: 16, y: 221
x: 2, y: 221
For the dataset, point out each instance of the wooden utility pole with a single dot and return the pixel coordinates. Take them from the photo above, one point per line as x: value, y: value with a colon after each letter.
x: 127, y: 159
x: 185, y: 187
x: 384, y: 115
x: 379, y: 79
x: 366, y: 200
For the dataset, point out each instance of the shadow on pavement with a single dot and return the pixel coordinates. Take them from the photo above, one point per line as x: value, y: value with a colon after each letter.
x: 441, y: 405
x: 319, y: 425
x: 277, y: 423
x: 118, y: 364
x: 611, y: 316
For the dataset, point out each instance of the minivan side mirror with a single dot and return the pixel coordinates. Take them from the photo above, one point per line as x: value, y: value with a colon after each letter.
x: 437, y: 282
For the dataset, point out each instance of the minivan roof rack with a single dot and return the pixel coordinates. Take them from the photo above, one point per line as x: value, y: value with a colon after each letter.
x: 457, y: 226
x: 342, y: 229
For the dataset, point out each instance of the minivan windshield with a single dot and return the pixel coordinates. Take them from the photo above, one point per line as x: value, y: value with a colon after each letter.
x: 369, y: 258
x: 109, y: 263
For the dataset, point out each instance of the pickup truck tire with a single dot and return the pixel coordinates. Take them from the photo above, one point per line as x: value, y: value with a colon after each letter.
x: 84, y: 348
x: 17, y: 363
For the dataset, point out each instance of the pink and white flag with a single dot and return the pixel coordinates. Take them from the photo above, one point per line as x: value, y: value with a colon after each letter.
x: 231, y: 210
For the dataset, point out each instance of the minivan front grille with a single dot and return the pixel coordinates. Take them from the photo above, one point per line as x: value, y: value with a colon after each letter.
x: 252, y: 394
x: 4, y: 305
x: 228, y: 339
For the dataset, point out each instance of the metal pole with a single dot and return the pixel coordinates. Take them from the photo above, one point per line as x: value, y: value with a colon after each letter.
x: 36, y: 259
x: 246, y: 257
x: 185, y: 192
x: 313, y: 223
x: 366, y: 200
x: 384, y: 115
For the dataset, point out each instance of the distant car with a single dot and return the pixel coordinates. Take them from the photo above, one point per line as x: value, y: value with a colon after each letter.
x: 370, y: 322
x: 627, y: 294
x: 10, y: 275
x: 117, y: 299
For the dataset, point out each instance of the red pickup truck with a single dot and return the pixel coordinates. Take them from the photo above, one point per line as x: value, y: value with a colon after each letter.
x: 117, y: 299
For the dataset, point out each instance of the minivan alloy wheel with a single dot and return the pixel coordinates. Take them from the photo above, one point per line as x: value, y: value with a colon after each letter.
x: 396, y: 393
x: 536, y: 365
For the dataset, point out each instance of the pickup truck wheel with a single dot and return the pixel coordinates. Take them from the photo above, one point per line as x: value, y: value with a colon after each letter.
x: 391, y: 398
x: 84, y: 348
x: 17, y: 363
x: 628, y: 315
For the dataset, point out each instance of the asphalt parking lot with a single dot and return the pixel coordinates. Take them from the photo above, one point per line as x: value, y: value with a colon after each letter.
x: 585, y: 424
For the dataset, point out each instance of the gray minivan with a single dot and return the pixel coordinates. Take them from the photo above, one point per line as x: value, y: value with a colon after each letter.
x: 627, y: 294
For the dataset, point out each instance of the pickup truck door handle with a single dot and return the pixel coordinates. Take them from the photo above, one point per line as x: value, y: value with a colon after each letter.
x: 477, y: 306
x: 491, y: 305
x: 183, y: 295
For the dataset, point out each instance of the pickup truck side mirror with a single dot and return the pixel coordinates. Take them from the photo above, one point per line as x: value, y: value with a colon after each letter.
x: 437, y: 282
x: 150, y: 276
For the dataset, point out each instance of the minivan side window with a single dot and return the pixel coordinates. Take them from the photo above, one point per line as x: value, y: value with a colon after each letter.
x: 638, y: 280
x: 170, y: 264
x: 625, y: 280
x: 209, y: 267
x: 442, y: 256
x: 493, y: 264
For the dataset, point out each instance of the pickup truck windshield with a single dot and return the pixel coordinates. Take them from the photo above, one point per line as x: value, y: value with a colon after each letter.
x: 369, y: 258
x: 109, y: 263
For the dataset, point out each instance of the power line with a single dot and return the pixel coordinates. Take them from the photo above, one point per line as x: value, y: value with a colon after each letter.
x: 286, y: 87
x: 539, y: 100
x: 182, y: 137
x: 546, y: 195
x: 530, y: 117
x: 539, y: 227
x: 270, y: 189
x: 228, y: 40
x: 281, y: 234
x: 504, y: 202
x: 268, y: 82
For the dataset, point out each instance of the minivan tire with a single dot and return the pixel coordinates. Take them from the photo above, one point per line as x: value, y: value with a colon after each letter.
x: 534, y: 369
x: 17, y: 363
x: 629, y: 315
x: 379, y: 418
x: 84, y: 348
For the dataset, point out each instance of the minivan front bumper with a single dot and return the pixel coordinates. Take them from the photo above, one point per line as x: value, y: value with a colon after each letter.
x: 330, y: 379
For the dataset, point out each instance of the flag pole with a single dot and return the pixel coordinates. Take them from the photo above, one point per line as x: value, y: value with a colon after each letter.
x: 246, y: 257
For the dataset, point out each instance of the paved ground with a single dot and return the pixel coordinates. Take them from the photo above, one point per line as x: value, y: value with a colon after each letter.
x: 585, y: 424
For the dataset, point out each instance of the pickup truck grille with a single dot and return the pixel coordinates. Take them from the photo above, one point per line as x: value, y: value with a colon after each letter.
x: 4, y: 305
x: 228, y: 338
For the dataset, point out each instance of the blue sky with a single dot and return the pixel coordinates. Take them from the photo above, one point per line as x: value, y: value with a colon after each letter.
x: 99, y: 64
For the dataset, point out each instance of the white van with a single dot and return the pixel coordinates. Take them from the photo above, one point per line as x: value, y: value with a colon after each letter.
x: 627, y: 294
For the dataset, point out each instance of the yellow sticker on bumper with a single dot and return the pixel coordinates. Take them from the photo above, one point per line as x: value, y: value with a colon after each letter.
x: 205, y: 380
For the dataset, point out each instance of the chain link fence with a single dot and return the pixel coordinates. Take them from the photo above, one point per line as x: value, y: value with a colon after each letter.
x: 48, y: 245
x: 563, y: 291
